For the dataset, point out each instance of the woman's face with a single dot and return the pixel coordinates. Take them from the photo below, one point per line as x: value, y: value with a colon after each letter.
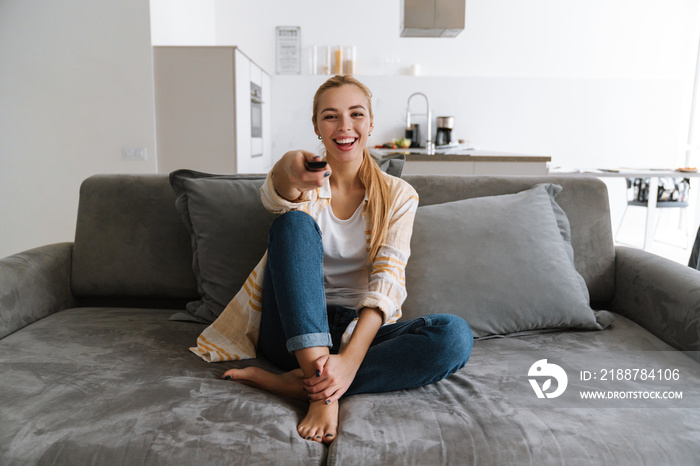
x: 344, y: 122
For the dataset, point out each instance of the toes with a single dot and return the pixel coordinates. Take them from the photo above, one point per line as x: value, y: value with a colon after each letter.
x: 317, y: 435
x: 306, y: 432
x: 237, y: 374
x: 311, y: 435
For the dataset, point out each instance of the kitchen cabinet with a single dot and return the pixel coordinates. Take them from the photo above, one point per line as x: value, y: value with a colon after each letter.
x: 205, y: 114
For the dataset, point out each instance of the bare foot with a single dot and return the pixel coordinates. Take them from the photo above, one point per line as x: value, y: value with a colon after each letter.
x: 320, y: 423
x: 289, y: 384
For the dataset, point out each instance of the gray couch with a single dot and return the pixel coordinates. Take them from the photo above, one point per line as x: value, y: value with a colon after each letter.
x: 93, y: 370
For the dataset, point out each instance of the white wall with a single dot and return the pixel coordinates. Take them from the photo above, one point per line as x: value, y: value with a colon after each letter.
x: 75, y: 88
x: 183, y: 22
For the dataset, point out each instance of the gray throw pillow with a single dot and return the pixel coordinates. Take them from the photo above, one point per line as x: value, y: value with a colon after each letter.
x: 228, y: 228
x: 503, y: 263
x: 393, y: 166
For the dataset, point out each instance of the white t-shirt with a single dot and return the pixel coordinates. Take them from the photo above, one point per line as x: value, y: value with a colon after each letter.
x: 345, y: 270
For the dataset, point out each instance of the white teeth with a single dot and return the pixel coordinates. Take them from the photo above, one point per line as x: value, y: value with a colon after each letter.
x: 345, y: 141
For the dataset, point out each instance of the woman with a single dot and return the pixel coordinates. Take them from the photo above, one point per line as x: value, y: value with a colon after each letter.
x: 334, y: 281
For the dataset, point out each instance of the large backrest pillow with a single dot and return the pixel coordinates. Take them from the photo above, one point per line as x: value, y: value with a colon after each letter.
x: 503, y: 263
x: 228, y: 228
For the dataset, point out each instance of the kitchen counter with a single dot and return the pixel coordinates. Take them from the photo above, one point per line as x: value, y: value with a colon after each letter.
x: 467, y: 162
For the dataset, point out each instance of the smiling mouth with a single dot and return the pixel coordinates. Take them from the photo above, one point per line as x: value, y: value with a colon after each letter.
x: 345, y: 142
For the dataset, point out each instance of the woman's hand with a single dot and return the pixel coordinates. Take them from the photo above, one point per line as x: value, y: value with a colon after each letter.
x: 334, y: 375
x: 335, y: 372
x: 291, y: 178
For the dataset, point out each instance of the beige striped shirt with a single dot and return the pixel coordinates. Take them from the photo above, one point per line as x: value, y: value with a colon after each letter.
x: 234, y: 335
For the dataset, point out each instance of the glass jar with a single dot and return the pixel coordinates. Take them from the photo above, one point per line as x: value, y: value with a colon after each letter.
x: 349, y: 60
x: 325, y: 60
x: 338, y: 59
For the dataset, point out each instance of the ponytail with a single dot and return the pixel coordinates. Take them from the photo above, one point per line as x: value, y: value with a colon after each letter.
x: 377, y: 189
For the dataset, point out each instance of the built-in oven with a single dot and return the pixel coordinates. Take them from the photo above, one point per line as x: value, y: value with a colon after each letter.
x: 256, y: 105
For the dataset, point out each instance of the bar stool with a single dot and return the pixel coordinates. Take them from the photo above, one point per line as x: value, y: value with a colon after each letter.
x: 672, y: 193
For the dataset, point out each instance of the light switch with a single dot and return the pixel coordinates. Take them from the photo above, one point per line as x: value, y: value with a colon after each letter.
x: 134, y: 153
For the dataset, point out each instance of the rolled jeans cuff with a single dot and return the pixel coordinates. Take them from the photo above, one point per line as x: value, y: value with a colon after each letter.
x: 309, y: 340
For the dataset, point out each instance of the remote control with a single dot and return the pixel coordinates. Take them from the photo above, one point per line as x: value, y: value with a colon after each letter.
x: 315, y: 166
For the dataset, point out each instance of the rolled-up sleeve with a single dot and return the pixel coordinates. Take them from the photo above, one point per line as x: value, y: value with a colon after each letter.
x: 275, y: 203
x: 387, y: 281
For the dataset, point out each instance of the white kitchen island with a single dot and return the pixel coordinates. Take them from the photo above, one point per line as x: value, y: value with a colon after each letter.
x: 468, y: 162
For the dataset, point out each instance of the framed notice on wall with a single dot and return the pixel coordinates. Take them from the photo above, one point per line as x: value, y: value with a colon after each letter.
x: 288, y: 40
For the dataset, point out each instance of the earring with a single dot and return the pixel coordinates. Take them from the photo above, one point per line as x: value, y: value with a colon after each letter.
x: 370, y: 134
x: 319, y: 138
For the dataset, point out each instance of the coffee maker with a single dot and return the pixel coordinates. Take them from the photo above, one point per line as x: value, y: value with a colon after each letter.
x: 444, y: 130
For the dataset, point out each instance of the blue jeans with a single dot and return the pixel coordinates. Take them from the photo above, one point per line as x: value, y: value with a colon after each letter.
x: 295, y: 316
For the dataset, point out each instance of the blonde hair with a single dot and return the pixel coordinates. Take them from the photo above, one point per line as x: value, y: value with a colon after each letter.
x: 370, y: 174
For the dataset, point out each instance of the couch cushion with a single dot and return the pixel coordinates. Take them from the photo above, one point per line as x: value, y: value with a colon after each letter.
x: 488, y: 414
x: 119, y: 386
x: 130, y: 241
x: 228, y: 228
x: 584, y: 199
x: 503, y: 263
